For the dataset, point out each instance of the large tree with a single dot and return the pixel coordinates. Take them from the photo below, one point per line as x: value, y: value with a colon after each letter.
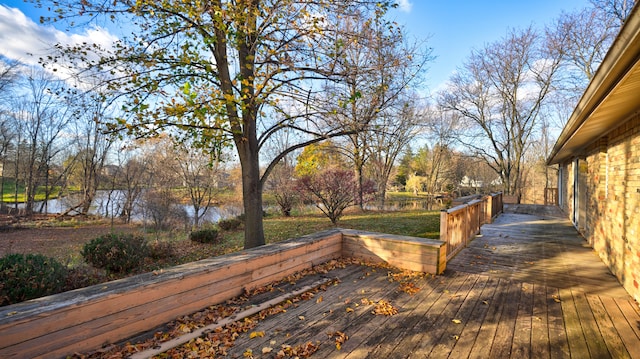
x: 8, y: 76
x: 200, y: 176
x: 394, y: 130
x: 41, y: 113
x: 377, y: 68
x: 91, y: 147
x: 219, y: 71
x: 499, y: 94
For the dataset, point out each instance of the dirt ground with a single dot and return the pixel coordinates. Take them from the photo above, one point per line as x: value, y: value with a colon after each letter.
x: 62, y: 243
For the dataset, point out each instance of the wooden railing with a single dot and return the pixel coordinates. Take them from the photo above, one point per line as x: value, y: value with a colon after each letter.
x: 460, y: 224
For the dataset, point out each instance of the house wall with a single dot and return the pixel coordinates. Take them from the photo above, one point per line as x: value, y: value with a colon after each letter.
x: 612, y: 223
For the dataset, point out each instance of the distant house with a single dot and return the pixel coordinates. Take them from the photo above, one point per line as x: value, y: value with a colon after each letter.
x: 471, y: 183
x: 598, y: 154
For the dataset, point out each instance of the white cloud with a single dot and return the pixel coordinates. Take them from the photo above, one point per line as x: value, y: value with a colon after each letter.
x: 26, y: 41
x: 21, y: 37
x: 404, y: 5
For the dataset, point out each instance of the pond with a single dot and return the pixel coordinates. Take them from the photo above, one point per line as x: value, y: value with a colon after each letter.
x: 109, y: 204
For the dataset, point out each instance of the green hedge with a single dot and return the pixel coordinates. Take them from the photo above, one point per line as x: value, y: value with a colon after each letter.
x: 29, y: 276
x: 120, y: 253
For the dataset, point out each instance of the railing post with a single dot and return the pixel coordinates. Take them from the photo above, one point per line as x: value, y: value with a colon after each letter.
x: 467, y: 225
x: 444, y: 226
x: 488, y: 209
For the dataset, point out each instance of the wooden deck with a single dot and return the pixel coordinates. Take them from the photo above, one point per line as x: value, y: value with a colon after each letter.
x: 542, y: 248
x: 527, y: 288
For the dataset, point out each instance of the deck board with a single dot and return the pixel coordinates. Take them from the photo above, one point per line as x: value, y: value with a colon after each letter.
x: 521, y: 345
x: 558, y: 336
x: 540, y: 323
x: 612, y: 340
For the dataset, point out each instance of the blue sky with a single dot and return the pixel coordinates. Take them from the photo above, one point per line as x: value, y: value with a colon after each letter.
x: 452, y: 28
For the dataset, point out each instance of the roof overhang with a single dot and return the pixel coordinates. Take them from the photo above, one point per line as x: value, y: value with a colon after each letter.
x: 612, y: 96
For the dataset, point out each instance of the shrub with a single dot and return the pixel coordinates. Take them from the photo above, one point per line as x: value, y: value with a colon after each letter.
x: 24, y: 277
x: 208, y: 235
x: 84, y: 276
x: 229, y: 224
x: 120, y: 253
x: 161, y: 250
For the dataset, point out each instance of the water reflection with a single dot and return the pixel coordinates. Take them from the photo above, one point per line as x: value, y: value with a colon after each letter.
x: 109, y: 204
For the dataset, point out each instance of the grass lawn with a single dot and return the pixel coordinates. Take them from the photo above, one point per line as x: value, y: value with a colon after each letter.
x: 415, y: 223
x: 9, y: 195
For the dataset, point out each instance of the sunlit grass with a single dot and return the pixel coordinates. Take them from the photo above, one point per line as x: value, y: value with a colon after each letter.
x: 408, y: 223
x: 414, y: 223
x: 9, y: 192
x: 391, y: 196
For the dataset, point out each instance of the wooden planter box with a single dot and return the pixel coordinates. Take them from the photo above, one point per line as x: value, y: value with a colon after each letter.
x: 87, y: 318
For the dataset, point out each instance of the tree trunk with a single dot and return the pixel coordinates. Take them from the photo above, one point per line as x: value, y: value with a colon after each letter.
x: 360, y: 176
x: 383, y: 195
x: 251, y: 194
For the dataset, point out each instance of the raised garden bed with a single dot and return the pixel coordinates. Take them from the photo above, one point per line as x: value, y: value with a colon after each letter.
x: 88, y: 318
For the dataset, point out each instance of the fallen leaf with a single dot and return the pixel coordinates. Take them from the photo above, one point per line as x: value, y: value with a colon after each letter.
x: 340, y: 338
x: 349, y: 309
x: 409, y: 288
x: 301, y: 317
x: 366, y: 301
x: 319, y: 300
x: 184, y: 328
x: 266, y: 350
x: 383, y: 307
x: 457, y: 321
x: 256, y: 335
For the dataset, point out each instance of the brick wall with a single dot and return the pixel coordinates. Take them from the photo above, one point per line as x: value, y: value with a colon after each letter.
x: 613, y: 202
x: 567, y: 188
